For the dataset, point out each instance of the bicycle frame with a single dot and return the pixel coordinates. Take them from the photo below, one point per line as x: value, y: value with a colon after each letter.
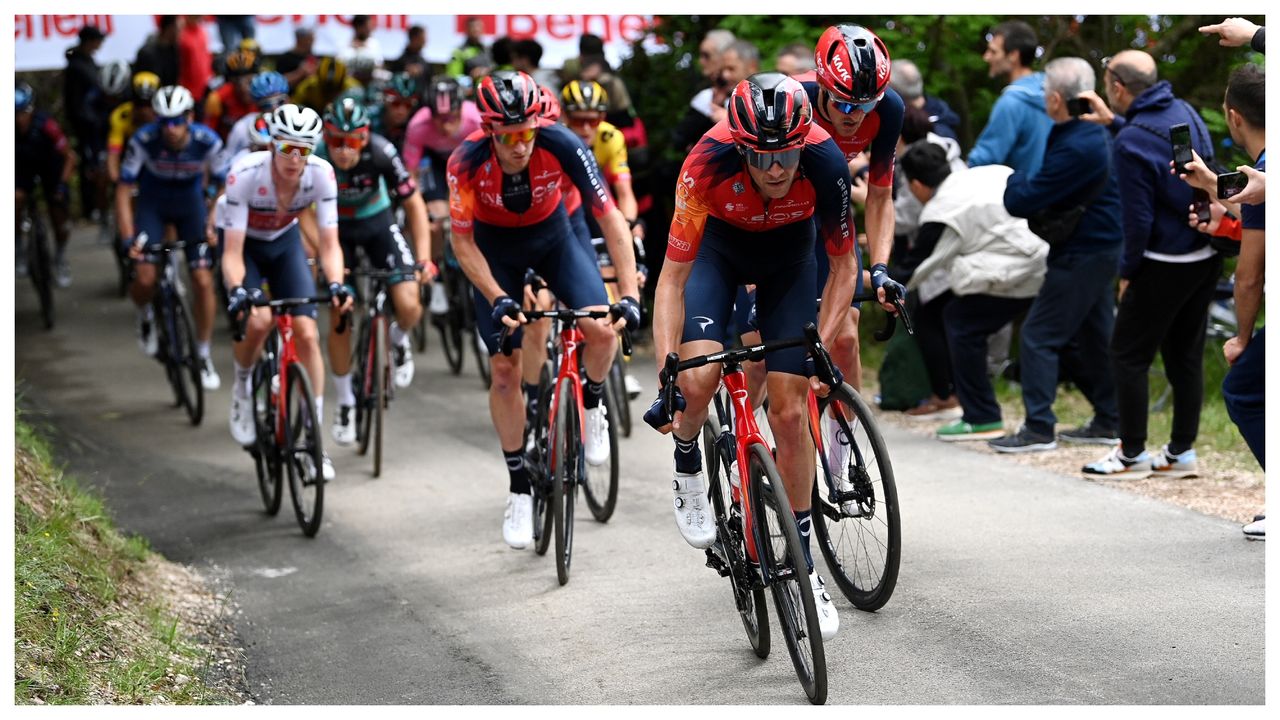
x: 745, y: 433
x: 288, y: 354
x: 570, y: 339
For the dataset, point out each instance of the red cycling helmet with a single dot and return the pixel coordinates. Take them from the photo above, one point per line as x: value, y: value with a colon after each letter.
x: 508, y: 97
x: 550, y: 105
x: 768, y: 112
x: 852, y: 64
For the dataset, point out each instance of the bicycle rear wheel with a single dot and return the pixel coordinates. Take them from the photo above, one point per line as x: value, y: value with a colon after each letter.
x: 858, y: 528
x: 748, y: 596
x: 566, y: 464
x: 382, y: 371
x: 40, y: 267
x: 363, y: 383
x: 303, y: 454
x: 186, y: 360
x: 618, y: 388
x: 453, y: 324
x: 600, y: 483
x: 422, y: 329
x: 540, y: 473
x: 266, y: 455
x: 781, y: 553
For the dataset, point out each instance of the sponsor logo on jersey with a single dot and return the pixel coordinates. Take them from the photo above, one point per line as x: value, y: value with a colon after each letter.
x: 739, y: 188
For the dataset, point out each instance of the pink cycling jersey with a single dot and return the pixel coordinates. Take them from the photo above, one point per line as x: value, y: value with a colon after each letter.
x: 423, y: 135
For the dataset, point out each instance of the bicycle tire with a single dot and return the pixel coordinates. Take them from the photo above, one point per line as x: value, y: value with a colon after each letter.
x: 266, y: 455
x: 618, y: 385
x: 780, y: 551
x: 361, y: 383
x: 453, y: 324
x: 597, y: 476
x: 123, y: 268
x: 540, y: 472
x: 421, y: 330
x: 302, y: 448
x: 382, y: 370
x: 187, y: 363
x: 566, y: 464
x: 755, y: 614
x: 40, y: 268
x: 868, y: 582
x: 164, y: 331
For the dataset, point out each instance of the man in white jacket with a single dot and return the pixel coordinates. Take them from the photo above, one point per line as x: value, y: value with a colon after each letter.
x: 991, y: 262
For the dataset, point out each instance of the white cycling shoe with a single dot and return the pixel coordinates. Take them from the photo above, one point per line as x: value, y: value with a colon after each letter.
x: 403, y: 366
x: 828, y: 618
x: 596, y: 440
x: 344, y: 425
x: 693, y: 509
x: 243, y: 427
x: 517, y: 521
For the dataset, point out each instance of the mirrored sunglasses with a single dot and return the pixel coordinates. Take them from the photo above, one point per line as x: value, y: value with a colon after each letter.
x: 353, y: 141
x: 848, y: 107
x: 519, y: 136
x: 288, y: 148
x: 765, y: 160
x: 179, y: 121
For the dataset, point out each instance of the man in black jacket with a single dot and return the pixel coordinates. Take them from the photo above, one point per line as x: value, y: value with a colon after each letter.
x: 81, y: 94
x: 160, y: 53
x: 1075, y: 306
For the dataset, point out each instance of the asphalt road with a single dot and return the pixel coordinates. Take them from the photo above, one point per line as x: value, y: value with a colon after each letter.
x: 1017, y: 585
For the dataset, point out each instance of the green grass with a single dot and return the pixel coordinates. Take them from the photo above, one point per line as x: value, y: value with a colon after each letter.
x: 75, y: 641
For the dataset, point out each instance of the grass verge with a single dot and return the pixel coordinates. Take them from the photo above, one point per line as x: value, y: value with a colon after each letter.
x: 94, y: 610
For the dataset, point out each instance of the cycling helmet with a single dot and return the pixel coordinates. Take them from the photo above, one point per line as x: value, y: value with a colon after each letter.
x: 171, y: 101
x: 550, y: 105
x: 240, y: 63
x: 114, y: 77
x: 769, y: 111
x: 444, y: 96
x: 346, y: 115
x: 260, y: 132
x: 145, y: 85
x: 267, y: 84
x: 24, y: 98
x: 585, y: 96
x: 852, y: 64
x: 508, y: 97
x: 250, y: 45
x: 296, y: 125
x: 362, y: 65
x: 331, y: 72
x: 403, y: 86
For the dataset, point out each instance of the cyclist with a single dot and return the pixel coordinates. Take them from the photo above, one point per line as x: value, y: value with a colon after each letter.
x: 506, y: 214
x: 41, y: 150
x: 232, y: 100
x: 330, y: 81
x: 128, y: 117
x: 266, y: 191
x: 369, y: 175
x: 170, y: 161
x: 399, y: 101
x: 268, y: 90
x: 748, y: 200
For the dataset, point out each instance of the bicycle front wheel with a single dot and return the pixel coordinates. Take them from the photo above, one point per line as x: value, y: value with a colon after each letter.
x: 303, y: 455
x: 618, y: 389
x: 382, y: 370
x: 600, y: 483
x: 422, y: 329
x: 40, y: 268
x: 266, y: 455
x: 364, y: 381
x: 186, y: 361
x: 540, y: 476
x: 780, y: 553
x: 566, y: 462
x: 856, y: 513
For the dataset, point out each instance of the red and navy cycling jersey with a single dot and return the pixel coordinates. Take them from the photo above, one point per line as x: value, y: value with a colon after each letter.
x: 879, y: 130
x: 714, y: 182
x: 42, y: 148
x: 480, y: 190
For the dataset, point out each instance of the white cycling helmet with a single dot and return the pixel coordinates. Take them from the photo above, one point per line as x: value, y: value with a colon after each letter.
x: 114, y: 77
x: 298, y: 125
x: 171, y: 101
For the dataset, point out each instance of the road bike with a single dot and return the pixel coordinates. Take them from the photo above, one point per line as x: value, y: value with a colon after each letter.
x: 284, y: 413
x: 39, y: 258
x: 458, y: 325
x: 175, y: 340
x: 372, y: 364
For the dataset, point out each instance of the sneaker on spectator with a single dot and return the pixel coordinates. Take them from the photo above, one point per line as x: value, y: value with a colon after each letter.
x: 1256, y: 530
x: 1023, y: 441
x: 1118, y: 467
x: 1174, y: 466
x: 1091, y: 433
x: 62, y: 273
x: 936, y: 409
x: 961, y: 430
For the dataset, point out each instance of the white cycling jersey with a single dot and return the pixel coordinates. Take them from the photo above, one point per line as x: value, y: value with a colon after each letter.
x: 239, y: 141
x: 251, y: 196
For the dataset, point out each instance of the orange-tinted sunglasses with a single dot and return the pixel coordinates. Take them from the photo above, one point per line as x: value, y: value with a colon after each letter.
x: 353, y: 141
x: 519, y: 136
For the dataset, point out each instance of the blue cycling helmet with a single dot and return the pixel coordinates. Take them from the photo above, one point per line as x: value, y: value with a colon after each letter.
x: 24, y: 98
x: 266, y: 85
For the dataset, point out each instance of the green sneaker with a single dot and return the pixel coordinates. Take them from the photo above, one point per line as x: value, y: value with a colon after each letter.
x: 961, y: 430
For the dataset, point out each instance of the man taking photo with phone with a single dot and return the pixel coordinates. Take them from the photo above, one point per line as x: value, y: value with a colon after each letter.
x: 1168, y: 270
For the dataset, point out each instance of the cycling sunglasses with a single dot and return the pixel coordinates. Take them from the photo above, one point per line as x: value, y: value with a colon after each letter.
x: 172, y: 122
x: 397, y: 101
x: 271, y: 103
x: 353, y: 141
x: 288, y: 148
x: 519, y: 136
x: 848, y: 107
x: 765, y: 160
x: 585, y: 121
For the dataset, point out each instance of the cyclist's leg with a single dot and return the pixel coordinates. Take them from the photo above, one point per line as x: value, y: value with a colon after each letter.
x: 59, y: 212
x: 147, y: 220
x: 435, y: 191
x: 339, y: 344
x: 190, y: 226
x: 391, y: 251
x: 256, y: 254
x: 505, y: 250
x: 845, y: 351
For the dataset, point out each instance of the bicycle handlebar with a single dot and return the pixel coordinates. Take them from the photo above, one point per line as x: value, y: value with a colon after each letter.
x: 891, y: 319
x: 565, y: 315
x: 260, y: 300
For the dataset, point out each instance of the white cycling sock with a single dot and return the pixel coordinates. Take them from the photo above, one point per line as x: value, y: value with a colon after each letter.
x: 342, y: 386
x: 243, y: 386
x: 319, y: 407
x: 398, y: 336
x: 202, y: 349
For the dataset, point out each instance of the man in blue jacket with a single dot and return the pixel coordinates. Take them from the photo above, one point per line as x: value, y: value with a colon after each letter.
x: 1168, y: 270
x: 1017, y: 128
x: 1075, y: 305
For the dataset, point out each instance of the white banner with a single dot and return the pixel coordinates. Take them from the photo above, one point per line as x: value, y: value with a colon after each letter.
x: 42, y: 40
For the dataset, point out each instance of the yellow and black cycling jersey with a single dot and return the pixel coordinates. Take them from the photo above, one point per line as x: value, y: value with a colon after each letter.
x: 610, y: 149
x: 121, y: 127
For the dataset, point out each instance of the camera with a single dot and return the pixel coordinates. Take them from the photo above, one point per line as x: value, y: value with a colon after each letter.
x: 1231, y: 184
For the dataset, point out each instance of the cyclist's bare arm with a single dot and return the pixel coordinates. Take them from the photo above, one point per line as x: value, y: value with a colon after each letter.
x: 124, y: 209
x: 310, y: 230
x: 625, y: 198
x: 836, y: 296
x: 415, y: 210
x: 617, y: 236
x: 233, y: 257
x: 880, y: 224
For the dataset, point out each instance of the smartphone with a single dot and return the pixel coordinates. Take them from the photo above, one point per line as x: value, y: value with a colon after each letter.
x: 1200, y: 200
x: 1180, y: 137
x: 1231, y: 184
x: 1078, y: 106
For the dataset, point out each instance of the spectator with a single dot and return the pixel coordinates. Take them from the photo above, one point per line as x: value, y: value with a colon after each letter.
x: 476, y: 67
x: 298, y: 63
x: 906, y: 207
x: 589, y: 46
x: 989, y: 260
x: 906, y: 79
x: 1016, y: 130
x: 232, y: 29
x: 329, y: 81
x: 595, y: 68
x: 500, y: 51
x: 362, y: 42
x: 195, y: 63
x: 1075, y: 305
x: 1236, y: 31
x: 411, y: 60
x: 1168, y: 271
x: 160, y: 53
x: 472, y: 46
x: 526, y: 54
x: 710, y: 59
x: 81, y: 95
x: 794, y: 59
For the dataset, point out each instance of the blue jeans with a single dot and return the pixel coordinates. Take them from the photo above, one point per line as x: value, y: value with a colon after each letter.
x: 1076, y: 304
x: 232, y: 29
x: 1244, y: 392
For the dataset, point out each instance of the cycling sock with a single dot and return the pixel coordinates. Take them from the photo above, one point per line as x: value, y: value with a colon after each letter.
x: 1176, y: 450
x: 518, y: 472
x: 804, y: 522
x: 688, y: 456
x: 591, y: 392
x: 243, y: 387
x: 398, y: 336
x: 530, y: 400
x: 342, y: 386
x: 145, y: 313
x: 320, y: 408
x: 202, y: 349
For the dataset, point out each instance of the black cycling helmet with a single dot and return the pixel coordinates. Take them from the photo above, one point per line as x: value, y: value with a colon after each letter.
x: 24, y: 98
x: 443, y: 95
